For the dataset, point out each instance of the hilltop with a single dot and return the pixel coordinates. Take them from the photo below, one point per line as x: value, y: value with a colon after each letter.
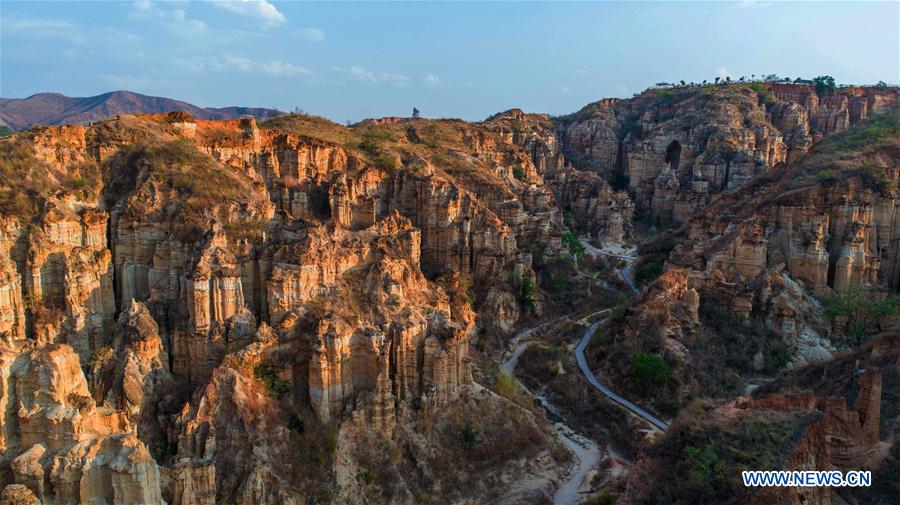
x: 58, y: 109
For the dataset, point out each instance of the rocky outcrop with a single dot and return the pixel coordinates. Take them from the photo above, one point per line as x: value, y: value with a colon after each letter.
x: 770, y: 252
x: 679, y: 146
x: 392, y: 343
x: 58, y: 443
x: 221, y: 283
x: 594, y: 207
x: 849, y: 436
x: 804, y: 432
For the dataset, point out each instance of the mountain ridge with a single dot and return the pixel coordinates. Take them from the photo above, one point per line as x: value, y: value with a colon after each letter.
x: 56, y: 108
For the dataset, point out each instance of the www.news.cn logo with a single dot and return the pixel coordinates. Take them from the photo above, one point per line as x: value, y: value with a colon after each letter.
x: 809, y: 478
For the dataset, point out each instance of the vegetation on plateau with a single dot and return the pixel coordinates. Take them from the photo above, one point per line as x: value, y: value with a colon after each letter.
x: 857, y: 151
x: 859, y: 310
x: 704, y: 457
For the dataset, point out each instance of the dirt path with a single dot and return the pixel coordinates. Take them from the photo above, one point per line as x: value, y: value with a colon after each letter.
x: 585, y: 450
x: 625, y: 254
x: 589, y: 375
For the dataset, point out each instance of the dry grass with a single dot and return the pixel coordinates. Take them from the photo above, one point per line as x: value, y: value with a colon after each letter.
x: 26, y: 180
x: 439, y: 462
x: 198, y: 184
x: 311, y: 126
x: 854, y: 152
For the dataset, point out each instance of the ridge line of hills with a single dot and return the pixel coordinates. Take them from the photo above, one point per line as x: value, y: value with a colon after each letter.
x: 58, y: 109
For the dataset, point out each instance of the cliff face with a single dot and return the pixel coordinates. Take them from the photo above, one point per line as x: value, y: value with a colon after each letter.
x: 204, y: 284
x: 186, y: 305
x: 594, y: 207
x: 768, y: 252
x: 677, y: 147
x: 59, y: 443
x: 803, y: 432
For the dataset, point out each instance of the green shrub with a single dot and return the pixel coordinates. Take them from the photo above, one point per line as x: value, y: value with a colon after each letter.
x: 373, y: 138
x: 665, y: 97
x: 862, y: 308
x: 245, y: 229
x: 777, y: 357
x: 575, y: 246
x: 275, y: 386
x: 518, y: 172
x: 296, y: 424
x: 469, y: 436
x: 367, y: 476
x: 78, y: 183
x: 524, y: 289
x: 824, y: 84
x: 649, y: 372
x: 388, y: 162
x: 605, y: 497
x: 632, y: 125
x: 706, y: 466
x: 648, y: 269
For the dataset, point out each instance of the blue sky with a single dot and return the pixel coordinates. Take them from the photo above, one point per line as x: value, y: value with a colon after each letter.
x: 348, y: 61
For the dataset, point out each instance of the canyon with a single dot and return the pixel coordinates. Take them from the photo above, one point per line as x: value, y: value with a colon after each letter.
x: 296, y: 311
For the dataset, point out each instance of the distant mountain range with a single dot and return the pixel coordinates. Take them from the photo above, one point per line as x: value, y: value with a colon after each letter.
x: 55, y: 108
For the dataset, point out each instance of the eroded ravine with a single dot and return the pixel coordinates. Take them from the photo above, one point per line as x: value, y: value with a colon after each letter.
x: 584, y: 449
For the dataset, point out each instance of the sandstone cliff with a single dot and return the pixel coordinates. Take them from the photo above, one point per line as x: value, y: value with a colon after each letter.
x: 801, y: 432
x: 677, y: 147
x: 215, y: 284
x: 769, y: 252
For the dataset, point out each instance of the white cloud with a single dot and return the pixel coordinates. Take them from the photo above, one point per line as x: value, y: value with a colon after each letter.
x: 432, y: 80
x: 30, y: 24
x: 364, y: 74
x: 125, y: 81
x: 313, y: 34
x: 192, y: 65
x: 745, y: 4
x: 176, y: 19
x: 722, y: 72
x: 566, y: 90
x: 41, y: 28
x: 260, y: 10
x: 237, y: 63
x: 75, y: 35
x: 276, y: 67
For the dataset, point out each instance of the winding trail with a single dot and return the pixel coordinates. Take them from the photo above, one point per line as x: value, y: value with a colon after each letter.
x: 589, y: 375
x: 626, y: 275
x: 625, y: 272
x: 585, y: 450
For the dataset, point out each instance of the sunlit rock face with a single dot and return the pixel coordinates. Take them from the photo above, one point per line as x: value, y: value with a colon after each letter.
x: 58, y: 443
x: 676, y: 147
x: 186, y: 305
x: 189, y: 267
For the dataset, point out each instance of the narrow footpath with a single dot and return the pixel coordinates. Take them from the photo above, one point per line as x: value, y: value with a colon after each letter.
x: 585, y: 450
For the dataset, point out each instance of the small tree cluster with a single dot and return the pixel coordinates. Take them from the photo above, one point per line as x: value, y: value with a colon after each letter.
x: 469, y: 436
x: 824, y: 84
x: 575, y: 246
x: 524, y: 289
x: 862, y: 308
x: 275, y: 386
x: 649, y: 372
